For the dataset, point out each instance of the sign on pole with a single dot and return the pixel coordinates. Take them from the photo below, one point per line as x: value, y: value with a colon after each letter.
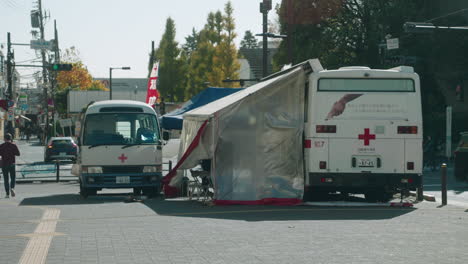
x: 11, y: 114
x: 448, y: 133
x: 393, y: 43
x: 65, y: 122
x: 42, y: 44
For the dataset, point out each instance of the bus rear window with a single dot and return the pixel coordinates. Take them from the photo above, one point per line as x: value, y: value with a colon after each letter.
x: 365, y: 85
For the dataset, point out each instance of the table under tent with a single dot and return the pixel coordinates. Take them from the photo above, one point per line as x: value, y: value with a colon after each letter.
x: 254, y: 139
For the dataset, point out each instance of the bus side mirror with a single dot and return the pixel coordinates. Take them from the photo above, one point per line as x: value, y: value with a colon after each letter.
x: 166, y: 135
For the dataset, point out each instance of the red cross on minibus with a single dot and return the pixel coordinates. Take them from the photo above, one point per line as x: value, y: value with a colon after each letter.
x: 122, y: 158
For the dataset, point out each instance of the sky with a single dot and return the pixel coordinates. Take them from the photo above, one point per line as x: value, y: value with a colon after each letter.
x: 116, y: 33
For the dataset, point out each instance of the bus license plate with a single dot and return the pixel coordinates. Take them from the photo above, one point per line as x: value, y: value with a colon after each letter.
x: 366, y: 163
x: 122, y: 179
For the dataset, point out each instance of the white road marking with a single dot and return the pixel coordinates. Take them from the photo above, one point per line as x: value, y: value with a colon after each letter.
x: 38, y: 246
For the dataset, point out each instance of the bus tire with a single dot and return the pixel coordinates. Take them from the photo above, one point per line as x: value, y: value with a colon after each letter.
x: 315, y: 195
x: 151, y: 192
x: 371, y: 196
x: 83, y: 192
x: 136, y: 191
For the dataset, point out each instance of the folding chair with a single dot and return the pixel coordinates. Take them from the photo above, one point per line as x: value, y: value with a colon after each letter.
x: 200, y: 185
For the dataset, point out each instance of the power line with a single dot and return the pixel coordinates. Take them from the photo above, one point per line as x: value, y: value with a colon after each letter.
x: 8, y: 3
x: 449, y: 14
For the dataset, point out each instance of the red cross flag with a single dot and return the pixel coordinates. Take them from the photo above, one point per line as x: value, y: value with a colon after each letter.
x: 152, y: 94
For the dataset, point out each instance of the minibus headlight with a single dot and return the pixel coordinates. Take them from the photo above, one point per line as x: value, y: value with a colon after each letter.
x: 94, y: 169
x: 156, y: 168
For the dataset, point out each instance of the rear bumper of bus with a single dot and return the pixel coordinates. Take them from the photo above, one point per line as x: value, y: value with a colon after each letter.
x: 359, y: 182
x: 124, y: 180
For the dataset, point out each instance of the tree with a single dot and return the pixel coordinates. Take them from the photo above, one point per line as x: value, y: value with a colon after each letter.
x: 249, y: 41
x: 227, y: 51
x: 215, y: 58
x: 77, y: 79
x: 170, y: 65
x: 190, y: 43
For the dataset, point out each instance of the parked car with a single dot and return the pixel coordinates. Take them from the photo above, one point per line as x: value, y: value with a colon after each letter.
x: 61, y: 148
x: 461, y: 158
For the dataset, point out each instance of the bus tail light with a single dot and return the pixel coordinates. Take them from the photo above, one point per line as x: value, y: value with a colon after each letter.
x: 407, y: 180
x: 407, y: 129
x: 326, y: 180
x: 325, y: 129
x: 323, y: 165
x: 410, y: 165
x: 307, y: 143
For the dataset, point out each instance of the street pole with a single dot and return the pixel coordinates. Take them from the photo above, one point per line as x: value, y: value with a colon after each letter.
x: 290, y: 29
x: 110, y: 83
x: 265, y: 40
x: 443, y: 180
x: 44, y: 73
x: 56, y: 48
x: 9, y: 78
x: 9, y: 70
x: 110, y: 78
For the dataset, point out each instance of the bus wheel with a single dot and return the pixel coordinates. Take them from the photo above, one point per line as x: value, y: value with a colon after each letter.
x: 371, y: 196
x: 92, y: 191
x: 378, y: 196
x: 136, y: 191
x: 151, y: 192
x: 315, y: 195
x: 83, y: 192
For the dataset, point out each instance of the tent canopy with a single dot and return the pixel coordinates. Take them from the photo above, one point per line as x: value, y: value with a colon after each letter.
x: 174, y: 119
x: 253, y: 139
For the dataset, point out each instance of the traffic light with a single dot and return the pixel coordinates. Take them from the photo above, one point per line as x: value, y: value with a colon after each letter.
x: 61, y: 67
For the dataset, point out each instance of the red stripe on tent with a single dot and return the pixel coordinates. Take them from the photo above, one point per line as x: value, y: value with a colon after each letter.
x: 170, y: 191
x: 266, y: 201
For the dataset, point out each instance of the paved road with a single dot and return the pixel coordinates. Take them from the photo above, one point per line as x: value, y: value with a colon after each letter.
x: 52, y: 222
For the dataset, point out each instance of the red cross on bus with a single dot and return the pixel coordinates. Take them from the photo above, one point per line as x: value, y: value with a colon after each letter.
x: 367, y: 136
x: 122, y: 158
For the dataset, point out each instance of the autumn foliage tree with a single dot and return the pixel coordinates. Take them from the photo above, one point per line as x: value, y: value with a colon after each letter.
x: 215, y: 56
x: 78, y: 79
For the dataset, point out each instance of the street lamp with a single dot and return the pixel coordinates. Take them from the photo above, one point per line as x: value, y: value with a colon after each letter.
x: 110, y: 78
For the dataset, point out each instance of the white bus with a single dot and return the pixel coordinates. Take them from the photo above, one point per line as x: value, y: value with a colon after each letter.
x: 120, y: 147
x: 363, y: 132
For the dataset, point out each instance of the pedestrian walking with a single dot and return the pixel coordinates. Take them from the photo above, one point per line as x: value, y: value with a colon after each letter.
x: 8, y: 151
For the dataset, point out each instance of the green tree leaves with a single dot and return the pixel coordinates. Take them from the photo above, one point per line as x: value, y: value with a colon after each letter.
x: 249, y: 41
x: 208, y: 57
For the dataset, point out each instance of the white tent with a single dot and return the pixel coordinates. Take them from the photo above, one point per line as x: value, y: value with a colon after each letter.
x: 253, y: 139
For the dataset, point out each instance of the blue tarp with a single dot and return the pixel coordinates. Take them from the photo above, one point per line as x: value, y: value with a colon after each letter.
x: 174, y: 119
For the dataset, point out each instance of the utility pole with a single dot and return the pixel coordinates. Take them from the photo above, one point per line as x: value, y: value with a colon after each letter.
x: 9, y: 125
x: 56, y: 48
x: 290, y: 15
x: 9, y: 70
x: 265, y: 6
x: 44, y: 73
x: 53, y: 74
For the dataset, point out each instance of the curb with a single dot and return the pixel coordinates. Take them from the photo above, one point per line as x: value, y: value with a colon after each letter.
x: 427, y: 197
x: 44, y: 181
